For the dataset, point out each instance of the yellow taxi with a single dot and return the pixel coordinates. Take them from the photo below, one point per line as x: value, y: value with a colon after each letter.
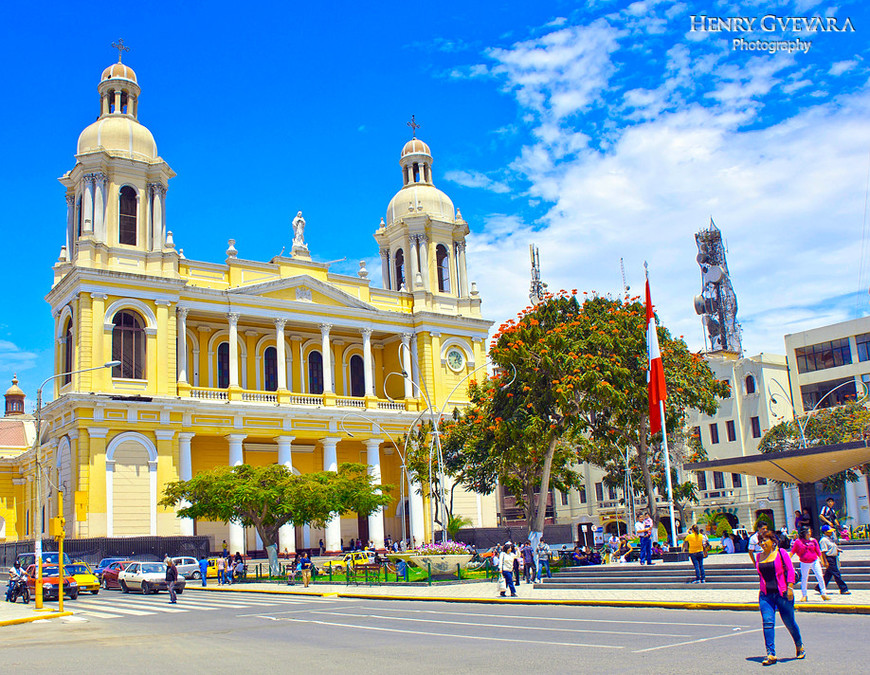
x: 349, y: 560
x: 84, y: 576
x: 212, y: 571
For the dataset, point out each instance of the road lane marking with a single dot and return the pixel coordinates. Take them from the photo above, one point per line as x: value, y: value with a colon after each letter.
x: 497, y: 625
x: 692, y: 642
x: 447, y: 635
x: 553, y: 618
x: 98, y: 615
x: 131, y: 612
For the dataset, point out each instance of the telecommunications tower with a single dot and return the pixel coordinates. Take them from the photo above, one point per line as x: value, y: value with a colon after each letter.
x: 717, y: 304
x: 538, y: 287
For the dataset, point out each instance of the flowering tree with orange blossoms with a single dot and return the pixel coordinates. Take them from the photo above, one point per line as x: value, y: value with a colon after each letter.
x: 581, y: 386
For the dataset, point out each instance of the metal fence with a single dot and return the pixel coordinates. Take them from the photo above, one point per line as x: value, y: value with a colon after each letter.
x: 94, y: 549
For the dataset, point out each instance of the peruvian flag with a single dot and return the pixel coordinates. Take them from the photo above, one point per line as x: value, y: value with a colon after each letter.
x: 656, y: 373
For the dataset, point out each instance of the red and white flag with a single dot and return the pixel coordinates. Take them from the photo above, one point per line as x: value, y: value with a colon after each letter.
x: 656, y: 373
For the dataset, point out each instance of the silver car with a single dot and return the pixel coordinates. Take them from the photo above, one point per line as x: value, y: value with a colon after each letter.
x: 188, y: 567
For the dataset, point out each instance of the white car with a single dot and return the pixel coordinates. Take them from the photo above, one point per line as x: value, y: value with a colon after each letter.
x: 188, y: 567
x: 148, y: 577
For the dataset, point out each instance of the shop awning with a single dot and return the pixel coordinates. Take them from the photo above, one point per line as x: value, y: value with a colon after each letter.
x: 805, y: 465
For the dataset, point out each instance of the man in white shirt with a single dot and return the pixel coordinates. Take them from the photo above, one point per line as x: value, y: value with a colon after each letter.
x: 643, y: 529
x: 754, y: 545
x: 831, y: 561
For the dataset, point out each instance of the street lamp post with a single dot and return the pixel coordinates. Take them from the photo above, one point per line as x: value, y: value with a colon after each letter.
x: 36, y: 446
x: 437, y: 432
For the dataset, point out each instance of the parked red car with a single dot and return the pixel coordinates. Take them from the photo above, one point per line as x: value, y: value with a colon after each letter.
x: 51, y: 583
x: 109, y: 579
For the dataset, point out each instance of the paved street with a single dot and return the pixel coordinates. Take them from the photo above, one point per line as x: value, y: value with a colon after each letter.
x: 243, y: 631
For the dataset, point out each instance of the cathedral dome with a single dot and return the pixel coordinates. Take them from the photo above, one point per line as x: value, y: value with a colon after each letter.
x: 119, y: 71
x: 118, y: 135
x: 420, y: 198
x: 416, y: 147
x: 15, y: 390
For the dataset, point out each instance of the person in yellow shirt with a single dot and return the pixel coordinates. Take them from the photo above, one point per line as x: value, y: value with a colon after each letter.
x: 694, y: 544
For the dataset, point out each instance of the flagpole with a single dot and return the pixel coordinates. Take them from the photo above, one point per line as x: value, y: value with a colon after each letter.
x: 668, y: 474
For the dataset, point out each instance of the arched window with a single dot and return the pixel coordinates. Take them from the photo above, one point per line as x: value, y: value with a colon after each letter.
x: 127, y: 219
x: 315, y: 373
x: 68, y: 352
x: 750, y: 384
x: 223, y: 365
x: 400, y: 268
x: 357, y: 376
x: 128, y: 346
x: 270, y: 369
x: 79, y: 217
x: 442, y: 263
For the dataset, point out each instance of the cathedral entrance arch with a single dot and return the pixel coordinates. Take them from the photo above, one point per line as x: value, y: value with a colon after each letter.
x: 131, y: 486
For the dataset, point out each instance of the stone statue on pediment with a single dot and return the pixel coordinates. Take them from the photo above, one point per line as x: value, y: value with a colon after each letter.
x: 299, y: 247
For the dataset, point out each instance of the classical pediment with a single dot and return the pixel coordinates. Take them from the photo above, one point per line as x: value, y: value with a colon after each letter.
x: 302, y: 288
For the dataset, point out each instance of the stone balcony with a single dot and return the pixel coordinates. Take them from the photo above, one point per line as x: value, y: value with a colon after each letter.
x: 289, y: 398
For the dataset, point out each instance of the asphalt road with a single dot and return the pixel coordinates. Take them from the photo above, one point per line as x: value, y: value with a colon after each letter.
x: 247, y: 632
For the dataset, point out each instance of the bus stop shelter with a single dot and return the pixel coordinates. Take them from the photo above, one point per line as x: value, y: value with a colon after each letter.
x: 803, y: 467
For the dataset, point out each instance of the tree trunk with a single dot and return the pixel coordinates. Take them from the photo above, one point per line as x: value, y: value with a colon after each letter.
x: 540, y: 509
x: 269, y: 537
x: 647, y: 478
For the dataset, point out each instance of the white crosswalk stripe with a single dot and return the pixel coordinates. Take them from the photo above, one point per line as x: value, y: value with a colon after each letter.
x: 111, y: 606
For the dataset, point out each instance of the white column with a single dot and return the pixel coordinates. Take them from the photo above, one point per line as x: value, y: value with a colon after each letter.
x: 286, y: 533
x: 413, y: 266
x: 787, y: 505
x: 281, y: 356
x: 330, y: 463
x: 424, y: 260
x: 88, y: 205
x: 863, y: 516
x: 415, y: 360
x: 852, y: 502
x: 385, y: 268
x: 367, y: 361
x: 100, y: 206
x: 70, y: 225
x: 326, y: 351
x: 237, y: 532
x: 415, y: 501
x: 185, y: 472
x: 406, y: 364
x: 376, y: 518
x: 234, y: 348
x: 306, y: 536
x: 463, y: 271
x: 182, y: 344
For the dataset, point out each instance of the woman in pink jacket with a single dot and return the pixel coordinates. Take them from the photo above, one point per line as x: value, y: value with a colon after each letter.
x: 776, y: 574
x: 808, y: 552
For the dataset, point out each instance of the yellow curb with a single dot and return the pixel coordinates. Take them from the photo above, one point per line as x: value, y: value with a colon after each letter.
x: 648, y: 604
x: 31, y: 619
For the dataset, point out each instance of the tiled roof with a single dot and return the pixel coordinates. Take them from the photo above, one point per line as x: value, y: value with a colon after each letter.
x: 12, y: 434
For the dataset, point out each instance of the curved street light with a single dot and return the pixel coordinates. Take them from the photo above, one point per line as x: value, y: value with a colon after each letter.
x: 37, y: 443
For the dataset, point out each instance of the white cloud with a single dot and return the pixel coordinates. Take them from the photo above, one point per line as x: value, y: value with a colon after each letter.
x: 14, y: 359
x: 688, y: 145
x: 475, y: 179
x: 841, y: 67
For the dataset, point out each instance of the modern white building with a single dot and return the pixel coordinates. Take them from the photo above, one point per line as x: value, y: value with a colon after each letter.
x: 829, y: 366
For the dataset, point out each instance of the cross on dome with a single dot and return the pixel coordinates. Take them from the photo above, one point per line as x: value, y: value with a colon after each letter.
x: 414, y: 126
x: 121, y: 47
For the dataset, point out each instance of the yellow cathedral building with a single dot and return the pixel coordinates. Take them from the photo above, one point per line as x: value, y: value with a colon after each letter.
x: 237, y: 361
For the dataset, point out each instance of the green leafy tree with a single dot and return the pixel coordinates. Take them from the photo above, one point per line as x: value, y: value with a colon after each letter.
x: 268, y: 497
x: 828, y: 426
x: 579, y: 392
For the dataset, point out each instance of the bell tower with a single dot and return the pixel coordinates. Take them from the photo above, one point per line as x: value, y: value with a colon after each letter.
x: 116, y: 192
x: 422, y: 237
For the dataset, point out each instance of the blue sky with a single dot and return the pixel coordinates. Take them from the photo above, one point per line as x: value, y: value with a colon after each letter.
x: 597, y: 132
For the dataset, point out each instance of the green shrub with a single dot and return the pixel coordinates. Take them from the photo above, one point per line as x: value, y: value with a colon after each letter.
x: 723, y: 528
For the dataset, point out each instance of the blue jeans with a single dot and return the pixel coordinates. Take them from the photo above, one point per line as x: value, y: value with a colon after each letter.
x: 769, y: 604
x: 698, y: 562
x: 645, y: 550
x: 204, y: 573
x: 541, y: 565
x: 509, y: 580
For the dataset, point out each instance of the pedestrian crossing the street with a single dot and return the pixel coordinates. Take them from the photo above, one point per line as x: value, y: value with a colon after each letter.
x: 118, y: 606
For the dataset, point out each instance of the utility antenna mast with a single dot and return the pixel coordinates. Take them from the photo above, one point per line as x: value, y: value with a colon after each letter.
x: 625, y: 286
x: 538, y: 287
x: 717, y: 303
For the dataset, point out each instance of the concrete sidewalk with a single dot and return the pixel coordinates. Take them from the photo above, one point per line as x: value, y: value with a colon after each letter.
x: 693, y: 597
x: 12, y: 614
